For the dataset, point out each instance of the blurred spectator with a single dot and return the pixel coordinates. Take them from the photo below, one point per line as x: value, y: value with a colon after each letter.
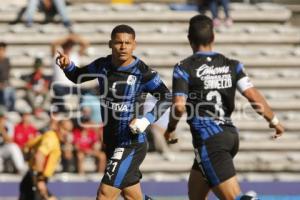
x: 25, y: 130
x: 7, y: 93
x: 44, y: 152
x: 50, y: 7
x: 8, y: 149
x: 213, y: 6
x: 61, y: 84
x: 37, y: 93
x: 202, y: 6
x: 90, y: 106
x: 68, y: 155
x: 88, y: 143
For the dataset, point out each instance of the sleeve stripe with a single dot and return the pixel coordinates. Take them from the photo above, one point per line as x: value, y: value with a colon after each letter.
x: 179, y: 73
x: 153, y: 83
x: 239, y: 68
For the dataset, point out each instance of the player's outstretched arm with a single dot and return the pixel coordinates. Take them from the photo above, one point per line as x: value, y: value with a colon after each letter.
x: 72, y: 72
x: 260, y: 105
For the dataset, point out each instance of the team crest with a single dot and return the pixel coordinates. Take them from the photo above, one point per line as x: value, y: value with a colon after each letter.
x: 131, y: 80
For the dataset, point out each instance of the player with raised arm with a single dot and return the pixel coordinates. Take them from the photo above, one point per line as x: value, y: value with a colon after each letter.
x: 122, y: 79
x: 204, y: 86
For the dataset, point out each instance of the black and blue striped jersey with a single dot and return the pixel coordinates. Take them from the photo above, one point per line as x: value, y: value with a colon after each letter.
x: 209, y: 81
x: 122, y: 91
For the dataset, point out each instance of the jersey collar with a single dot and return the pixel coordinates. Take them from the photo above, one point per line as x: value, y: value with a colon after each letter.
x: 206, y: 53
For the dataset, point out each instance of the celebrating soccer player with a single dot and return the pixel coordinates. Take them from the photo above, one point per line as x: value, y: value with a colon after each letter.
x: 204, y: 86
x: 123, y: 78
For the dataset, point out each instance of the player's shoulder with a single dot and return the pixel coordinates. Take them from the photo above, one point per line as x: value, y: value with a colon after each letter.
x: 186, y: 61
x: 143, y: 67
x: 228, y: 60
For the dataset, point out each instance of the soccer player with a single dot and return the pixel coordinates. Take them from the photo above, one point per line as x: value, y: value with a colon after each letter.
x: 204, y: 86
x: 123, y: 78
x: 45, y: 155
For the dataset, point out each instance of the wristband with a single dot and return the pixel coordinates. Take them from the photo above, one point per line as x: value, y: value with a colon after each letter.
x: 274, y: 121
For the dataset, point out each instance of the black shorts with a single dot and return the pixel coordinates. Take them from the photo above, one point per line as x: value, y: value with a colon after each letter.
x: 122, y: 169
x: 27, y: 189
x: 214, y: 158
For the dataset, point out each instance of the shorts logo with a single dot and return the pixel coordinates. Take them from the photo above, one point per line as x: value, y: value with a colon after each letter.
x: 118, y: 153
x: 131, y: 80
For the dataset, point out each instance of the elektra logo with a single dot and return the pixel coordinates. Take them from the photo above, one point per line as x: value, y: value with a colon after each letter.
x: 116, y: 106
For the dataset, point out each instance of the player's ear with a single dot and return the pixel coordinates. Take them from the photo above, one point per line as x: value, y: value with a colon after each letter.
x: 110, y: 43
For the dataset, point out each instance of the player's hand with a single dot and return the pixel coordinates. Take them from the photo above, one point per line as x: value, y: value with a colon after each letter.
x: 138, y: 126
x: 170, y: 137
x: 42, y: 188
x: 279, y: 129
x: 62, y: 60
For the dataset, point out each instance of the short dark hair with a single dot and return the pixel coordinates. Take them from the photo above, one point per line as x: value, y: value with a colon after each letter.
x: 201, y: 30
x: 3, y: 44
x: 68, y: 44
x: 122, y: 28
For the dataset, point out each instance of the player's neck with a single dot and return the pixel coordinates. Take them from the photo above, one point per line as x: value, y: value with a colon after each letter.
x: 203, y: 48
x: 120, y: 63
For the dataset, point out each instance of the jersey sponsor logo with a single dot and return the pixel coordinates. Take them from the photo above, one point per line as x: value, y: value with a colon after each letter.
x: 116, y: 106
x: 214, y: 77
x: 118, y: 153
x: 131, y: 80
x: 211, y: 70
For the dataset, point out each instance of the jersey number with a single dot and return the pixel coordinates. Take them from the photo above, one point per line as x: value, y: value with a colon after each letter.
x: 218, y: 105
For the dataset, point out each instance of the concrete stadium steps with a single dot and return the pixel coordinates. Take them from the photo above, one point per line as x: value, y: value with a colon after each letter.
x: 263, y: 12
x: 279, y: 145
x: 255, y: 125
x: 264, y: 161
x: 159, y: 34
x: 262, y: 78
x: 269, y: 62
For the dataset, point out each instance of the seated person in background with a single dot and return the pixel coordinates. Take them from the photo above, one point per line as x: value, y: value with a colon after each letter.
x: 50, y: 8
x: 24, y: 130
x: 7, y: 92
x: 9, y: 149
x: 88, y: 143
x: 45, y: 155
x: 37, y: 88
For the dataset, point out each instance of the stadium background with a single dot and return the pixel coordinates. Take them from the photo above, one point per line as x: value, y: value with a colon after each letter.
x: 265, y: 36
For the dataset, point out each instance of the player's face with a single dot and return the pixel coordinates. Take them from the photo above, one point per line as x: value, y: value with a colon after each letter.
x: 122, y: 45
